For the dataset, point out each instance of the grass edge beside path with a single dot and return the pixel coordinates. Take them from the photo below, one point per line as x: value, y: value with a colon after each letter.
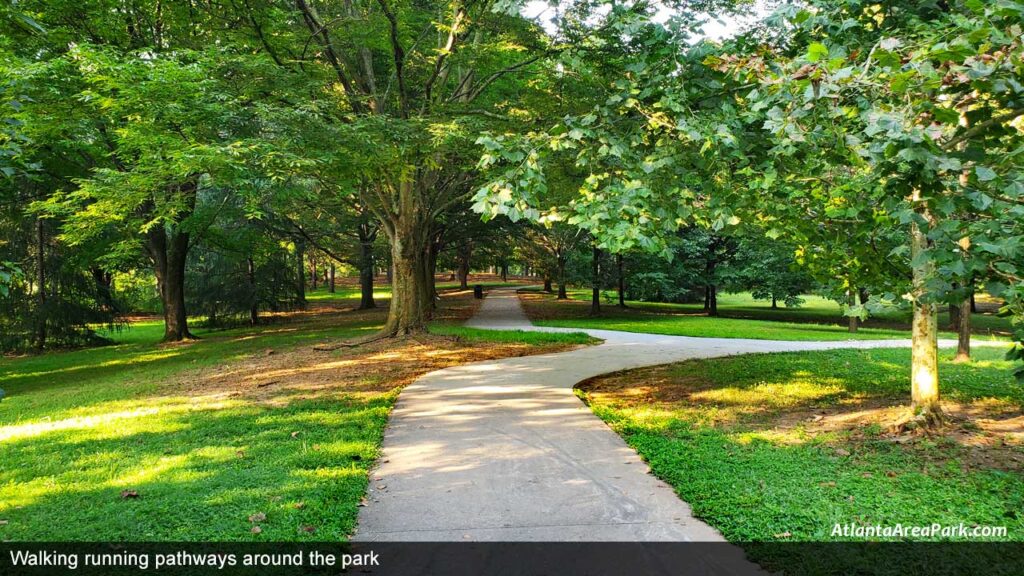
x: 247, y: 434
x: 778, y: 448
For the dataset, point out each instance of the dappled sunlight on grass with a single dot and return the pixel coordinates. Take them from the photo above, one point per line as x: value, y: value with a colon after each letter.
x: 37, y: 428
x: 740, y: 317
x: 200, y: 437
x: 768, y: 396
x: 770, y: 444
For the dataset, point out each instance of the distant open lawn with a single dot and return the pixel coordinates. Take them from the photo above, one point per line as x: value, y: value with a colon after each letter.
x: 740, y: 316
x: 781, y: 447
x: 247, y: 434
x: 348, y: 288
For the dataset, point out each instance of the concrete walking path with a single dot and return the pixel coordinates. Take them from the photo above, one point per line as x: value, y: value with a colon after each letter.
x: 503, y: 450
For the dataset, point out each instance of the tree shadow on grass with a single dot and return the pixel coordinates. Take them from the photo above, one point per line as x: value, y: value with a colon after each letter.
x: 766, y: 496
x: 199, y: 474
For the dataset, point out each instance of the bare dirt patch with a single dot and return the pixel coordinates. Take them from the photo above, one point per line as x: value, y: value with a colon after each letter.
x: 281, y: 376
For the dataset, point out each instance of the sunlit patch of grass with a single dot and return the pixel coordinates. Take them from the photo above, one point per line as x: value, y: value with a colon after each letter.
x: 512, y: 336
x: 244, y: 421
x: 740, y: 317
x: 782, y: 444
x: 768, y: 396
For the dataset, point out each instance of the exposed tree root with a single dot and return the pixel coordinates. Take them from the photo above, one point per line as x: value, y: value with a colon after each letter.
x: 183, y: 341
x: 386, y: 335
x: 922, y: 420
x: 353, y: 343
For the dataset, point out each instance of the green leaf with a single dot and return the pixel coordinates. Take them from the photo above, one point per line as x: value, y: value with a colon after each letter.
x: 817, y: 52
x: 985, y: 173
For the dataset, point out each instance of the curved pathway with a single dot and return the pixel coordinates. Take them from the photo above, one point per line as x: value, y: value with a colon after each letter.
x: 503, y: 450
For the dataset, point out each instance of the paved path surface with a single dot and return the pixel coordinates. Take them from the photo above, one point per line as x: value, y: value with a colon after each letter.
x: 504, y: 451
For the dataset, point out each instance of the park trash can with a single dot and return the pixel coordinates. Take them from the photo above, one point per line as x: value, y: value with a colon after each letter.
x: 478, y: 291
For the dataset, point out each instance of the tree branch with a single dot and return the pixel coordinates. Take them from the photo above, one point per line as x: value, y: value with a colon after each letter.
x: 475, y: 92
x: 399, y: 57
x: 320, y: 32
x: 979, y: 128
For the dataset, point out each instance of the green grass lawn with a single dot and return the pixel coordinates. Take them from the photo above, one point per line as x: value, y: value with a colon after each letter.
x: 211, y: 433
x: 740, y: 317
x: 382, y: 291
x: 781, y: 447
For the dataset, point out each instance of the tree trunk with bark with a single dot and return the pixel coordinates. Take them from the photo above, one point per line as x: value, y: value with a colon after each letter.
x: 408, y: 232
x: 40, y: 336
x: 963, y: 330
x: 622, y: 280
x: 463, y: 254
x: 954, y: 315
x: 366, y: 267
x: 710, y: 289
x: 775, y: 303
x: 254, y: 302
x: 562, y: 293
x: 711, y: 300
x: 168, y: 249
x: 330, y: 278
x: 300, y: 269
x: 312, y: 270
x: 105, y: 287
x: 924, y: 361
x: 547, y: 284
x: 853, y: 322
x: 430, y: 274
x: 595, y: 267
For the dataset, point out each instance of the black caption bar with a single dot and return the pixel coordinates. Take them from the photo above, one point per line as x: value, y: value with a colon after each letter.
x: 510, y: 559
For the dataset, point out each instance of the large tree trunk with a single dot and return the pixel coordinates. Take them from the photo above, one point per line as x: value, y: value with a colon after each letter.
x: 547, y: 284
x: 104, y: 286
x: 504, y: 272
x: 367, y: 236
x: 464, y: 254
x: 40, y: 336
x: 595, y: 268
x: 407, y: 313
x: 622, y: 280
x: 954, y: 315
x: 312, y: 270
x: 330, y: 278
x: 963, y: 329
x: 300, y: 269
x: 853, y: 322
x: 562, y: 293
x: 169, y: 251
x: 710, y: 289
x: 430, y: 275
x: 924, y: 386
x: 168, y: 247
x: 775, y: 303
x: 409, y: 234
x: 254, y: 302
